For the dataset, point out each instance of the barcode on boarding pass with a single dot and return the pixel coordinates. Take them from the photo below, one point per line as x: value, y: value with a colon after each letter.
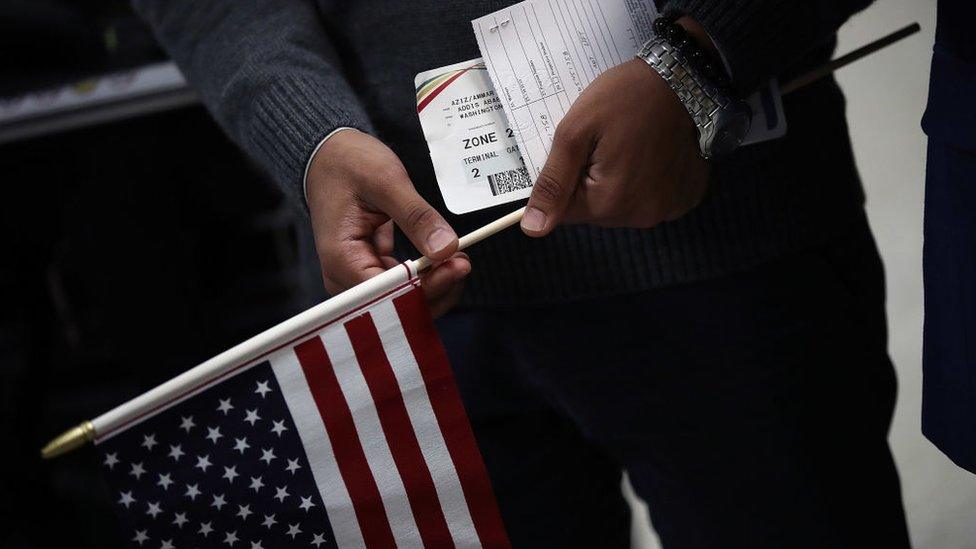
x: 508, y: 181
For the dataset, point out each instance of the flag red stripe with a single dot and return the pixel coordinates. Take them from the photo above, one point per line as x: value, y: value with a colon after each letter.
x: 451, y: 417
x: 398, y: 429
x: 350, y: 459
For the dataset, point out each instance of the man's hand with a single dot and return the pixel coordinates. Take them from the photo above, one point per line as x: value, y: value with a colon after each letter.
x: 357, y: 189
x: 625, y: 155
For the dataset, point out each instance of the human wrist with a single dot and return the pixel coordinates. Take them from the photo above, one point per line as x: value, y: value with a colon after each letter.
x: 310, y: 165
x: 698, y: 79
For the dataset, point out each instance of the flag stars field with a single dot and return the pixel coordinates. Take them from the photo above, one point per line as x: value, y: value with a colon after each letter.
x: 217, y: 473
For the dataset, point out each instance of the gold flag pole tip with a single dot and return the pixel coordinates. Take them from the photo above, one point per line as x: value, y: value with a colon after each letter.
x: 69, y: 440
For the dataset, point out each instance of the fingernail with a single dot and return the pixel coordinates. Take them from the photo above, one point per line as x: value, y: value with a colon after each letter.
x: 533, y: 220
x: 438, y: 240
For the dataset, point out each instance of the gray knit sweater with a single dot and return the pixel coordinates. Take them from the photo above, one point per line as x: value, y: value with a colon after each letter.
x: 279, y: 75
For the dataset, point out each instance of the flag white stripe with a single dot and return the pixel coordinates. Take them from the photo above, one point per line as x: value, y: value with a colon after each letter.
x: 370, y: 431
x: 318, y: 448
x: 428, y: 432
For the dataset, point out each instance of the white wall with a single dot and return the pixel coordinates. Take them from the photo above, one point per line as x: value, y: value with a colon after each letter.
x: 886, y: 97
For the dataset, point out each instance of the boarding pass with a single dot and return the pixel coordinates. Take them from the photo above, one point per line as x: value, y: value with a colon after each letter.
x: 475, y: 155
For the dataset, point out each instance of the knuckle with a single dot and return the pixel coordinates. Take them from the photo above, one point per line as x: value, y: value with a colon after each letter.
x: 547, y: 188
x: 570, y: 133
x: 418, y: 214
x: 329, y: 251
x: 335, y: 255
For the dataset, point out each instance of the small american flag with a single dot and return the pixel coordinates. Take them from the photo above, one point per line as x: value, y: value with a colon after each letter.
x: 351, y: 436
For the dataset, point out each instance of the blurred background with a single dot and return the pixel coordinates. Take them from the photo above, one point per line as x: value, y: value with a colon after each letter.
x: 132, y: 249
x: 137, y: 241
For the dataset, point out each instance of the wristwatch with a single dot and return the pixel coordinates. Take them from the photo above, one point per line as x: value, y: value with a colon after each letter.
x: 722, y: 118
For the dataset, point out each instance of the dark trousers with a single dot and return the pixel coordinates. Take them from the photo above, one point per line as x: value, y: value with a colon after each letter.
x: 749, y: 411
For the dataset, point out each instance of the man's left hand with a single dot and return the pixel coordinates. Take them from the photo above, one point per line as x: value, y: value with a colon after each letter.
x: 625, y: 155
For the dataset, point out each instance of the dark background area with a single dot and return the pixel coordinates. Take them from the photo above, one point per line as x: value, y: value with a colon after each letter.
x: 131, y: 251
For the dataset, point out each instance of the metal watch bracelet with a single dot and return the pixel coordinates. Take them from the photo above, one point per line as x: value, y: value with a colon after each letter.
x: 702, y: 99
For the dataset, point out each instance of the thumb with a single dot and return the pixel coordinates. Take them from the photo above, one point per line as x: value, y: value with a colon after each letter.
x: 557, y: 181
x: 426, y: 228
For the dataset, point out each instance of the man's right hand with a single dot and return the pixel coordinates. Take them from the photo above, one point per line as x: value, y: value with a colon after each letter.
x: 357, y: 188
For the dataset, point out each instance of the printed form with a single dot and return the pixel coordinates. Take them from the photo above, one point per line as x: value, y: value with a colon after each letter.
x: 541, y: 54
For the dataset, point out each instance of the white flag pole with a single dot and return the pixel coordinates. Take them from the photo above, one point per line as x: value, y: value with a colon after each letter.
x: 198, y: 378
x: 475, y: 236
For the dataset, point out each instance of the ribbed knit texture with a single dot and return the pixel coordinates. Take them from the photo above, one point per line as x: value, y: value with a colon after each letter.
x: 290, y: 118
x: 279, y: 75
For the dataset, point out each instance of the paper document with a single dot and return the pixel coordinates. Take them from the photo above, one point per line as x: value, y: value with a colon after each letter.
x: 541, y: 54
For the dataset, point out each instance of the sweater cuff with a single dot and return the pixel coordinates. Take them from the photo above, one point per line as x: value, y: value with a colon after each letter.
x: 293, y: 116
x: 742, y: 30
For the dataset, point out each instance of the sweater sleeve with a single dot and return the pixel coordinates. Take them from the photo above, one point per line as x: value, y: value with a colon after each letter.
x: 266, y: 71
x: 761, y: 38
